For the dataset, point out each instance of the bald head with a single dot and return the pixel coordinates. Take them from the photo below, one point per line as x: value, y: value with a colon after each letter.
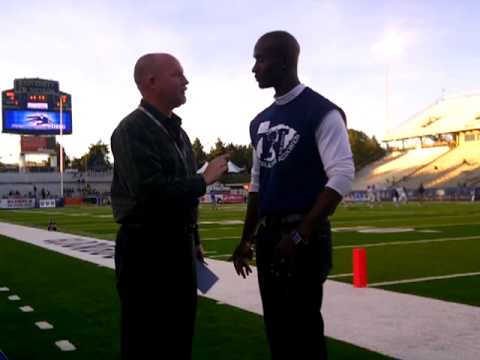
x: 160, y: 79
x: 151, y: 64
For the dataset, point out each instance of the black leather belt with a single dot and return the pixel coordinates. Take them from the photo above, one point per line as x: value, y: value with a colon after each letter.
x: 162, y: 227
x: 272, y: 221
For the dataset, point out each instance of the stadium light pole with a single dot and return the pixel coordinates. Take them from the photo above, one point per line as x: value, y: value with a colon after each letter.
x: 387, y: 113
x: 390, y: 46
x: 61, y: 146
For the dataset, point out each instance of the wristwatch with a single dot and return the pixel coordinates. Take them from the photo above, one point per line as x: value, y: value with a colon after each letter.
x: 297, y: 238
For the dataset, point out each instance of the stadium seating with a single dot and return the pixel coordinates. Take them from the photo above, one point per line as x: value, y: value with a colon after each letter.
x: 447, y: 154
x: 396, y: 167
x: 24, y: 182
x: 455, y: 167
x: 434, y: 167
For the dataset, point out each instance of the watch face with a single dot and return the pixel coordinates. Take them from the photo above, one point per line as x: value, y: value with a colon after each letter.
x: 296, y: 237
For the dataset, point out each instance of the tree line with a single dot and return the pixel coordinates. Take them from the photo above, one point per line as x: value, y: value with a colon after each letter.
x: 365, y: 150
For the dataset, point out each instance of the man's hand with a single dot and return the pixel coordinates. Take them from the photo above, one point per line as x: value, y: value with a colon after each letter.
x: 200, y: 253
x: 216, y: 168
x: 286, y: 247
x: 241, y: 258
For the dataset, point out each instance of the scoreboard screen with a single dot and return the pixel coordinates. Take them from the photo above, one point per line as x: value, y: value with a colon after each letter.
x: 36, y: 122
x: 33, y: 107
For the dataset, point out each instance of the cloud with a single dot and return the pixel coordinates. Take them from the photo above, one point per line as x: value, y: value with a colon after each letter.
x: 222, y: 106
x: 91, y: 48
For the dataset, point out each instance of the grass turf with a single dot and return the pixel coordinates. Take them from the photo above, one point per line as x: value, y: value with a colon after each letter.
x: 408, y: 260
x: 80, y: 300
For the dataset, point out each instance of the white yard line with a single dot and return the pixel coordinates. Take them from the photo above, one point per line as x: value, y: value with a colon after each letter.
x: 220, y: 238
x: 39, y: 212
x: 429, y: 278
x: 406, y: 219
x: 220, y: 256
x: 412, y: 242
x: 475, y: 222
x: 339, y: 275
x: 398, y: 325
x: 215, y: 228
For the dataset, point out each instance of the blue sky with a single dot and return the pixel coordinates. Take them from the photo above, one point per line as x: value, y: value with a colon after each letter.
x: 91, y: 48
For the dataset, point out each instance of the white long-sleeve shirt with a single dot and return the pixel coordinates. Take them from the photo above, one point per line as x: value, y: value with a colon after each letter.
x: 333, y: 147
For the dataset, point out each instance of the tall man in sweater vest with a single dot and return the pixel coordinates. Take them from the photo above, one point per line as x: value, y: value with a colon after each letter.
x: 302, y: 167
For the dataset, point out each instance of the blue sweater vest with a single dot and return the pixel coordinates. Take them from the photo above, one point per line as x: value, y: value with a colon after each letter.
x: 291, y: 170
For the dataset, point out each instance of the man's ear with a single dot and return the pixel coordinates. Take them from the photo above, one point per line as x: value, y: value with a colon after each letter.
x: 151, y: 80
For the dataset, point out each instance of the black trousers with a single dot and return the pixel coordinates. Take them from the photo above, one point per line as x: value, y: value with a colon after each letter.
x: 292, y: 293
x: 156, y: 283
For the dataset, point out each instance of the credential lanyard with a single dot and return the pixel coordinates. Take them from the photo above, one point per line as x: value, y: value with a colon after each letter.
x: 160, y: 125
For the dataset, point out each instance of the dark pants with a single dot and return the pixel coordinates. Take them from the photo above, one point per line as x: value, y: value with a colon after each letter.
x: 156, y: 282
x: 292, y: 294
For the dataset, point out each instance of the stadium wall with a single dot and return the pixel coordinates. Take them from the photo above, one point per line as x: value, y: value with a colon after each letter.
x: 74, y: 183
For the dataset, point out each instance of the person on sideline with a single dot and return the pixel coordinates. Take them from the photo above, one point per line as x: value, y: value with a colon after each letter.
x: 155, y: 193
x: 302, y: 167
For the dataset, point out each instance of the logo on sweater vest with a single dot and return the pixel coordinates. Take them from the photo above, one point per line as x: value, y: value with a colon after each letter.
x: 275, y: 143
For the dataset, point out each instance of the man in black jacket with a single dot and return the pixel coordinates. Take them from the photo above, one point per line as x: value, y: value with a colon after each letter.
x: 155, y: 193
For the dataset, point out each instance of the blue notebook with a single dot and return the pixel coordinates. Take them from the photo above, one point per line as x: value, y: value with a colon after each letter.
x: 206, y: 278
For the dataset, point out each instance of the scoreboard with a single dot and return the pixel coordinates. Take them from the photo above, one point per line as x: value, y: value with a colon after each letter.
x: 34, y: 106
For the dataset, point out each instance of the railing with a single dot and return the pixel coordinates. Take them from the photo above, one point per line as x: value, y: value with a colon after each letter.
x: 423, y: 166
x: 449, y: 174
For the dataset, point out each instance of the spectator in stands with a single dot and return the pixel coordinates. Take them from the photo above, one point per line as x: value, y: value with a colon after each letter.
x: 213, y: 200
x: 421, y: 192
x: 402, y: 195
x: 155, y: 193
x: 395, y: 196
x: 302, y: 167
x: 458, y: 191
x: 371, y: 195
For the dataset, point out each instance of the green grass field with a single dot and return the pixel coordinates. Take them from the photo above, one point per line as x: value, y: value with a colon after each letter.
x: 438, y: 240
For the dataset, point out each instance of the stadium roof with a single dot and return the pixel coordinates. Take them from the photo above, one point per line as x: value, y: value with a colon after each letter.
x: 448, y: 115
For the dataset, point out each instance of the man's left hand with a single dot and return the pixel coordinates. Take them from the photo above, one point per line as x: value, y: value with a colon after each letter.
x: 286, y: 248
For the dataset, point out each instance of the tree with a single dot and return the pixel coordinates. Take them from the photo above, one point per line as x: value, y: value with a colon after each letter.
x: 240, y: 155
x: 66, y: 159
x: 198, y: 153
x: 78, y: 163
x: 217, y: 150
x: 365, y: 149
x: 96, y: 159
